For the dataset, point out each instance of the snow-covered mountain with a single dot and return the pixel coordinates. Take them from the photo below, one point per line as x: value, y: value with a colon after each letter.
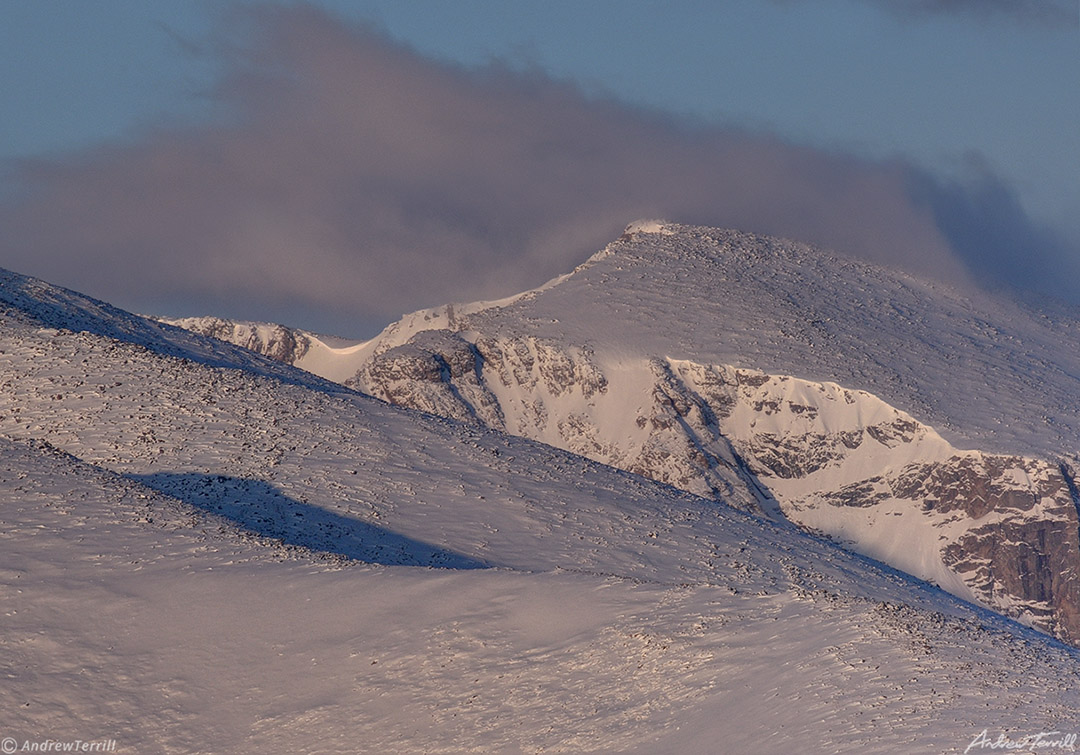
x: 931, y: 428
x: 275, y: 341
x: 207, y: 551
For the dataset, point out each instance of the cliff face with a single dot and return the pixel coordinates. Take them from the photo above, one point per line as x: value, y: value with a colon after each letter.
x: 641, y: 358
x: 997, y: 529
x: 187, y: 519
x: 275, y: 341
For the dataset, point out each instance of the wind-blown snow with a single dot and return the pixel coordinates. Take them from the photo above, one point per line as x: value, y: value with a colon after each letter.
x: 648, y: 226
x: 984, y: 371
x: 634, y: 360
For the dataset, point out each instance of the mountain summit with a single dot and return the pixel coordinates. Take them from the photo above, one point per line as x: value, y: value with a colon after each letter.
x: 928, y: 427
x: 204, y: 550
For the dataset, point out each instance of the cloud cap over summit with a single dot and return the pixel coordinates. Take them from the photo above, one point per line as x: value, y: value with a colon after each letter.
x: 350, y: 179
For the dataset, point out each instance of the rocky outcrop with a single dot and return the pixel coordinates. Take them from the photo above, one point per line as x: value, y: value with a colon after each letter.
x: 537, y: 389
x: 437, y: 372
x: 1019, y: 542
x: 275, y: 341
x: 1001, y: 530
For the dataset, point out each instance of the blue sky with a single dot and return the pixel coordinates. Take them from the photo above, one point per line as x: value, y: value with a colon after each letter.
x: 967, y: 108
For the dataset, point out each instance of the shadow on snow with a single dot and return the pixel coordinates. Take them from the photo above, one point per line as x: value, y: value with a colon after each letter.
x: 261, y: 508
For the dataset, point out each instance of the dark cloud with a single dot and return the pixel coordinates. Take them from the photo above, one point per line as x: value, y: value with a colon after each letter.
x: 1001, y: 246
x: 1060, y: 14
x: 349, y: 180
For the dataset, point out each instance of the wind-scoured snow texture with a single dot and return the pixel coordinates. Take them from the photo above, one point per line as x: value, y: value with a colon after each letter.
x: 205, y: 558
x: 985, y: 372
x: 992, y: 528
x: 671, y: 353
x: 53, y: 308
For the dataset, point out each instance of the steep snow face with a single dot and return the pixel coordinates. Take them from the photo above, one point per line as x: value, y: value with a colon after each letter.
x: 992, y: 528
x: 331, y: 358
x: 987, y: 373
x: 176, y: 533
x: 321, y: 467
x: 635, y: 359
x: 989, y: 528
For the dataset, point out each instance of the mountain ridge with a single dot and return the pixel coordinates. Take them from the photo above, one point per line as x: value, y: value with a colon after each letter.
x: 589, y: 363
x: 164, y: 509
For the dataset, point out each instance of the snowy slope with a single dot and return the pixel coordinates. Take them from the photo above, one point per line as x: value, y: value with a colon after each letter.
x: 332, y: 358
x: 984, y: 371
x: 997, y: 528
x: 212, y: 555
x: 930, y: 428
